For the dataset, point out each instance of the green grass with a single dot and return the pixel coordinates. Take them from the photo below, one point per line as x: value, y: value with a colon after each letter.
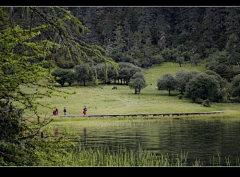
x: 104, y: 156
x: 102, y: 99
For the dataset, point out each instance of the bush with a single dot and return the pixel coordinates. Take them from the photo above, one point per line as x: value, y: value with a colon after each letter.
x: 206, y: 103
x: 203, y: 86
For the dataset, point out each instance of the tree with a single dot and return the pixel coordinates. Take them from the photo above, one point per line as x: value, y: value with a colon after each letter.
x: 223, y: 85
x: 202, y: 87
x: 180, y: 61
x: 182, y: 77
x: 235, y: 86
x: 63, y: 75
x: 18, y: 71
x: 25, y: 50
x: 195, y: 58
x: 126, y: 71
x: 232, y: 47
x: 83, y: 73
x: 157, y: 59
x: 137, y: 82
x: 167, y: 82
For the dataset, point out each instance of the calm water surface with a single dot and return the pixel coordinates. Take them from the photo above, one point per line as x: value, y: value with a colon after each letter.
x: 199, y: 139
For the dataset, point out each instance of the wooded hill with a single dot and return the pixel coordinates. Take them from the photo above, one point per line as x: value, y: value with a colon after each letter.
x: 149, y: 35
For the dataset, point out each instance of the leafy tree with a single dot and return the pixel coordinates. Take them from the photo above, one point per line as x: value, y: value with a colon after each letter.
x: 202, y: 87
x: 157, y: 59
x: 221, y: 81
x: 235, y: 86
x: 28, y: 44
x: 126, y: 71
x: 167, y: 82
x: 63, y: 75
x: 105, y: 72
x: 217, y: 62
x: 223, y: 84
x: 83, y: 73
x: 232, y: 47
x: 16, y: 73
x: 180, y: 61
x: 137, y: 82
x: 195, y: 58
x: 182, y: 77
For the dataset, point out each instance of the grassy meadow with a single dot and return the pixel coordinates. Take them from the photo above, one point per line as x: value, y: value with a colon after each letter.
x: 101, y: 99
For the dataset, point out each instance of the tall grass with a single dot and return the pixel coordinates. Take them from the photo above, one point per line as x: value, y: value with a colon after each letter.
x: 104, y: 156
x: 123, y: 157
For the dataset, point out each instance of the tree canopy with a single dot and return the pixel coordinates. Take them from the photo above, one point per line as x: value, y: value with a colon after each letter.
x: 167, y: 82
x: 30, y: 39
x: 203, y: 87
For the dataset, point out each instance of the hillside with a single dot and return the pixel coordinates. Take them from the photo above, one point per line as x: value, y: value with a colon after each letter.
x: 103, y: 100
x: 144, y: 31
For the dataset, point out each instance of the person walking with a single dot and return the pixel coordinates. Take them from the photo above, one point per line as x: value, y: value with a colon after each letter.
x: 56, y: 111
x: 84, y: 110
x: 64, y: 111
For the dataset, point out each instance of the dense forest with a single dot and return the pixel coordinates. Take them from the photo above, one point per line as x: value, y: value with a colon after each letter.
x: 149, y: 35
x: 144, y: 36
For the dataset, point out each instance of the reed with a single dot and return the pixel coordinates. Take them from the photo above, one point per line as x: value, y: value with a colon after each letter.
x: 103, y: 156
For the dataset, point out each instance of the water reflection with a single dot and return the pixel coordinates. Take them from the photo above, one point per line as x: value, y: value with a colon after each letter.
x: 200, y: 139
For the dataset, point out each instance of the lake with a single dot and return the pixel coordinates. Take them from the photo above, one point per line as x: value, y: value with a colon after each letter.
x: 202, y: 139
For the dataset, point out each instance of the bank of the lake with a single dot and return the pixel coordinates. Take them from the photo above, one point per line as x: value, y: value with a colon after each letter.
x: 102, y: 100
x: 104, y: 152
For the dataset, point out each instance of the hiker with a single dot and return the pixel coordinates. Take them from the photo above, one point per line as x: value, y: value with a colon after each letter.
x: 84, y: 110
x: 56, y: 112
x: 64, y: 111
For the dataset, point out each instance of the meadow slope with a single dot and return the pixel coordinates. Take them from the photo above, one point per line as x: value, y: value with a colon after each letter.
x: 102, y: 99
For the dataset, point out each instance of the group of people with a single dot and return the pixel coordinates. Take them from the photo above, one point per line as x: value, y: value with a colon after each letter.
x: 55, y: 111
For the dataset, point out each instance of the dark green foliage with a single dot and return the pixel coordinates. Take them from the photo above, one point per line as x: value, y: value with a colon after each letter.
x: 137, y: 82
x: 167, y: 82
x: 83, y: 73
x: 30, y: 39
x: 203, y: 87
x: 235, y: 86
x: 182, y: 77
x: 64, y: 75
x: 206, y: 103
x: 143, y: 32
x: 157, y: 59
x: 11, y: 122
x: 126, y: 71
x: 36, y: 151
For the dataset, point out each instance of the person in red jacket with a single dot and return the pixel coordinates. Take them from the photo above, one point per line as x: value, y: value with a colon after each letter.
x: 84, y: 110
x: 56, y: 112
